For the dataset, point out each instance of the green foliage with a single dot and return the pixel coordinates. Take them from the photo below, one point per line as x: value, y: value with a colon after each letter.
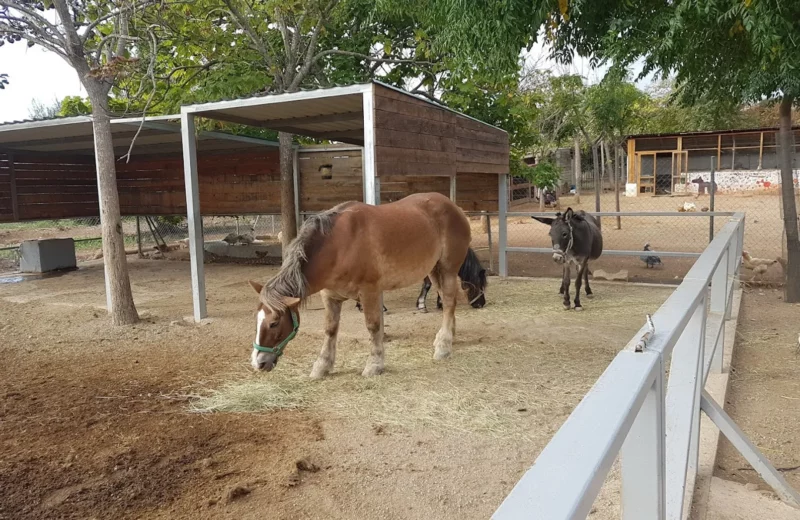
x: 545, y: 175
x: 75, y: 106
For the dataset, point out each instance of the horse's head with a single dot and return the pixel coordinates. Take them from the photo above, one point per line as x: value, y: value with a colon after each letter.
x: 274, y: 330
x: 561, y: 233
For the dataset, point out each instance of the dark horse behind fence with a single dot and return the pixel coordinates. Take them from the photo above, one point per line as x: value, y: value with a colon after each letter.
x: 355, y: 252
x: 473, y: 282
x: 576, y: 239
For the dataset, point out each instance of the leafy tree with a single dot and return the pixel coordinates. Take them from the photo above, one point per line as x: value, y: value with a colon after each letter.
x: 737, y: 50
x: 279, y: 47
x: 3, y: 79
x: 39, y: 110
x: 101, y: 40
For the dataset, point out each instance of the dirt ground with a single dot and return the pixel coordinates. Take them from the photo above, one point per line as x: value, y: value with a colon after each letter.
x: 764, y: 389
x: 98, y: 422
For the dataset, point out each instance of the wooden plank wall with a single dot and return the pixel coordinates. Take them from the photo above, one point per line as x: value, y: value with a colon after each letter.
x: 6, y: 202
x: 55, y: 187
x: 346, y: 182
x: 416, y: 138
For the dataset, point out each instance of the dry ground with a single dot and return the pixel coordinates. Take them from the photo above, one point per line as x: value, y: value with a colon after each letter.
x: 98, y: 422
x: 764, y: 392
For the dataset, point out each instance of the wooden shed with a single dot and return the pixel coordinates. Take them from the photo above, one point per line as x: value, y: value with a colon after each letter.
x: 409, y: 144
x: 47, y: 170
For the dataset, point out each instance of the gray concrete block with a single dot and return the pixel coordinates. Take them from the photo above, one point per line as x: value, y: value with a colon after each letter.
x: 43, y: 256
x: 254, y: 250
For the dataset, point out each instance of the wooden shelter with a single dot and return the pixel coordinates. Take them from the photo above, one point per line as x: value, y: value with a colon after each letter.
x: 406, y: 141
x: 666, y: 163
x: 47, y: 170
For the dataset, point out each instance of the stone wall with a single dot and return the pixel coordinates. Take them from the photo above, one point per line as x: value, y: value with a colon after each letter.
x: 736, y: 180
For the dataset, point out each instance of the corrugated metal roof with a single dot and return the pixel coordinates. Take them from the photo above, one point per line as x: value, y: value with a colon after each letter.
x: 74, y: 135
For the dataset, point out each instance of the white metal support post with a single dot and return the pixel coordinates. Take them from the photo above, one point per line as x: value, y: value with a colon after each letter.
x: 453, y: 188
x: 372, y: 187
x: 683, y: 411
x: 642, y: 457
x: 193, y: 215
x: 719, y: 305
x: 502, y: 224
x: 296, y: 183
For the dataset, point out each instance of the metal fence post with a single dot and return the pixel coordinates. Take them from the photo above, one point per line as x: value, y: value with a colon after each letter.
x: 489, y: 233
x: 683, y: 411
x: 643, y: 457
x: 711, y: 192
x: 719, y: 306
x: 502, y: 192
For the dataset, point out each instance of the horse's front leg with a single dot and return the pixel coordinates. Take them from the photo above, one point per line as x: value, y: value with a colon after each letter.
x: 373, y: 317
x: 578, y: 283
x: 327, y: 356
x: 565, y: 283
x: 423, y: 295
x: 443, y: 344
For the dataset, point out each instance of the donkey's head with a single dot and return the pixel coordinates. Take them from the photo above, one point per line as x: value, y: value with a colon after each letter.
x: 561, y: 233
x: 274, y: 330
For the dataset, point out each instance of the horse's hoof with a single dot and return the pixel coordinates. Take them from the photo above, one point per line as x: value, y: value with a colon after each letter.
x: 439, y: 355
x: 578, y: 308
x: 372, y: 370
x: 422, y: 309
x: 589, y: 295
x: 567, y: 307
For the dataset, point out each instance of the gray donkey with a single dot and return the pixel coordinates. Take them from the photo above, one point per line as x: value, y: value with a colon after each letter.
x: 576, y: 240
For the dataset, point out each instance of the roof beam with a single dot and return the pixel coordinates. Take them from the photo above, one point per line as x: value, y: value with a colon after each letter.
x: 325, y: 118
x: 81, y: 139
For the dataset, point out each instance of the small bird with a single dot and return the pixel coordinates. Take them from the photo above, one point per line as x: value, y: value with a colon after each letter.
x: 650, y: 260
x: 759, y: 266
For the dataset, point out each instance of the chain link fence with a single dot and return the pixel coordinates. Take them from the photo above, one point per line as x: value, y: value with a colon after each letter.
x: 154, y: 237
x: 689, y: 229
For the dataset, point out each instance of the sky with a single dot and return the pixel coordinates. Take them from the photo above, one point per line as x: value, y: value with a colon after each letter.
x: 33, y: 73
x: 37, y: 74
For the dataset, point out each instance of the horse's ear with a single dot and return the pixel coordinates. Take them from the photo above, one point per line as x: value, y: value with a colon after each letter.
x: 544, y: 220
x: 569, y: 214
x: 255, y: 285
x: 291, y: 302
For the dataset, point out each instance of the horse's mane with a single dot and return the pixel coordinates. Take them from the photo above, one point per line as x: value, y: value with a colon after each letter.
x: 290, y: 280
x: 470, y: 270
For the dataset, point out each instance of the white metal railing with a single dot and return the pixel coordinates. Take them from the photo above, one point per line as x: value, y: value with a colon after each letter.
x: 634, y: 412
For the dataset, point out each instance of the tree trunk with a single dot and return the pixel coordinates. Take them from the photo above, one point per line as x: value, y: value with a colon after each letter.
x: 577, y: 168
x: 596, y: 170
x: 617, y: 175
x: 792, y: 288
x: 123, y: 310
x: 288, y: 215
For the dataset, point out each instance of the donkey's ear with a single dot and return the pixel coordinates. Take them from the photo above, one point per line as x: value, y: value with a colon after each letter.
x: 569, y: 214
x: 291, y: 302
x: 544, y: 220
x: 255, y: 285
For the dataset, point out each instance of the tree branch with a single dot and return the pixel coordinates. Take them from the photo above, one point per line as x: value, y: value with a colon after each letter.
x: 39, y: 22
x: 368, y: 57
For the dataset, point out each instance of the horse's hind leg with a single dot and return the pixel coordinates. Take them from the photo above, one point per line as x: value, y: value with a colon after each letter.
x: 586, y: 274
x: 578, y: 282
x: 448, y: 288
x: 327, y: 356
x: 373, y: 317
x: 423, y: 295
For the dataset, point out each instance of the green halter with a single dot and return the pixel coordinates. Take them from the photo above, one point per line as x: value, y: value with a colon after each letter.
x: 278, y: 349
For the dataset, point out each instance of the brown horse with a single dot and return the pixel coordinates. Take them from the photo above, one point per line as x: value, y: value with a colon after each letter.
x: 357, y: 251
